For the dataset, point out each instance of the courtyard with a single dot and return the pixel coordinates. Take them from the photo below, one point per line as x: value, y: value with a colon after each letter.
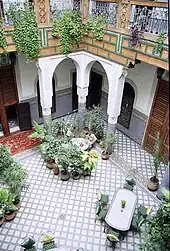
x: 68, y: 208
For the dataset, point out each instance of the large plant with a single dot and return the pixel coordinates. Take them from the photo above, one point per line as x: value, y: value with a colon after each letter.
x: 41, y: 133
x: 109, y: 141
x: 25, y: 30
x: 49, y: 149
x: 95, y: 120
x: 5, y: 159
x: 70, y: 29
x: 157, y: 156
x: 3, y: 41
x: 158, y: 234
x: 15, y: 176
x: 159, y: 43
x: 96, y: 26
x: 90, y: 160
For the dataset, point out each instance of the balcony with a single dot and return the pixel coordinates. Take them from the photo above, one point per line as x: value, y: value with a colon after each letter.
x: 151, y: 18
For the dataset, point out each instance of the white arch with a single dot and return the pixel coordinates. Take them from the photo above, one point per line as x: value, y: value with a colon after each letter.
x: 129, y: 81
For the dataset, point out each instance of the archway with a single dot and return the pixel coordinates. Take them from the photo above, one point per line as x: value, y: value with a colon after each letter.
x: 127, y: 105
x: 53, y: 108
x: 96, y: 82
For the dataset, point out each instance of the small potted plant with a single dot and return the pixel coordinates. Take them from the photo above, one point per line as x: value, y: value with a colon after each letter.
x: 48, y: 240
x: 123, y: 204
x: 28, y: 242
x: 90, y: 161
x: 153, y: 183
x: 63, y: 160
x: 2, y: 216
x: 76, y: 162
x: 10, y: 211
x: 108, y: 144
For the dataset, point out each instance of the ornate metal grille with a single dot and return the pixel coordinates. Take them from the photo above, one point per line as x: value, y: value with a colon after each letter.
x: 5, y: 5
x: 151, y: 19
x: 109, y: 10
x: 61, y: 5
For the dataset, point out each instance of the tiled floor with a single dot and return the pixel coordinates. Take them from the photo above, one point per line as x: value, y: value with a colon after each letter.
x: 48, y: 198
x: 68, y: 208
x: 13, y: 126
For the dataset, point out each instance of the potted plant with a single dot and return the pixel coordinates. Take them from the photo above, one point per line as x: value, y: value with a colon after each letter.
x: 48, y: 240
x: 10, y: 210
x: 158, y: 235
x: 49, y: 150
x: 90, y: 161
x: 28, y: 242
x: 153, y: 183
x: 95, y: 120
x: 2, y: 218
x: 63, y: 160
x: 56, y: 168
x: 108, y: 144
x: 15, y: 176
x: 76, y: 162
x: 123, y: 204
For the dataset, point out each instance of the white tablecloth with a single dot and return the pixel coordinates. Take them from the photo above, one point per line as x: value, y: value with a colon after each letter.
x: 116, y: 218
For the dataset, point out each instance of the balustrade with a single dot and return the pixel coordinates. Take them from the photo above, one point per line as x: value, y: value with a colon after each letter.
x: 61, y: 5
x: 150, y: 19
x: 151, y: 16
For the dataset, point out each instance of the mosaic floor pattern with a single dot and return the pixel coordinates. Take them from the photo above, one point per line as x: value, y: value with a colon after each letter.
x: 68, y: 208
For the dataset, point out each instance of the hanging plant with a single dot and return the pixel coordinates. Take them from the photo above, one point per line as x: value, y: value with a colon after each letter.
x: 3, y: 41
x: 70, y: 29
x: 25, y: 31
x: 159, y: 43
x: 136, y: 35
x: 96, y: 26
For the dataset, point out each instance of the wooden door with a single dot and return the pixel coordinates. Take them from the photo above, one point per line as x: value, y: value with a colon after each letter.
x: 8, y: 93
x: 74, y: 92
x: 159, y: 120
x: 95, y: 89
x: 24, y: 116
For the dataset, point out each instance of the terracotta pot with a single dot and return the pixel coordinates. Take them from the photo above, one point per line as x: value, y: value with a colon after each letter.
x: 86, y: 173
x: 105, y: 155
x: 153, y: 184
x: 50, y: 164
x: 75, y: 175
x: 10, y: 216
x: 56, y: 169
x: 64, y: 175
x: 2, y: 219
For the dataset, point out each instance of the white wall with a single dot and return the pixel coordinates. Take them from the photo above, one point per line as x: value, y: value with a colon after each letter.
x: 63, y: 74
x: 144, y: 77
x: 26, y: 75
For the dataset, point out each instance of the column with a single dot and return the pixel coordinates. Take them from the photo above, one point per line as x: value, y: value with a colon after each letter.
x: 115, y: 99
x: 85, y: 9
x: 82, y: 95
x: 45, y: 83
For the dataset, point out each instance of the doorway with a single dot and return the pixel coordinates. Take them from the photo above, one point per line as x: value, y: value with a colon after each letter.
x: 12, y: 118
x: 8, y: 96
x: 94, y: 93
x: 95, y: 89
x: 127, y: 105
